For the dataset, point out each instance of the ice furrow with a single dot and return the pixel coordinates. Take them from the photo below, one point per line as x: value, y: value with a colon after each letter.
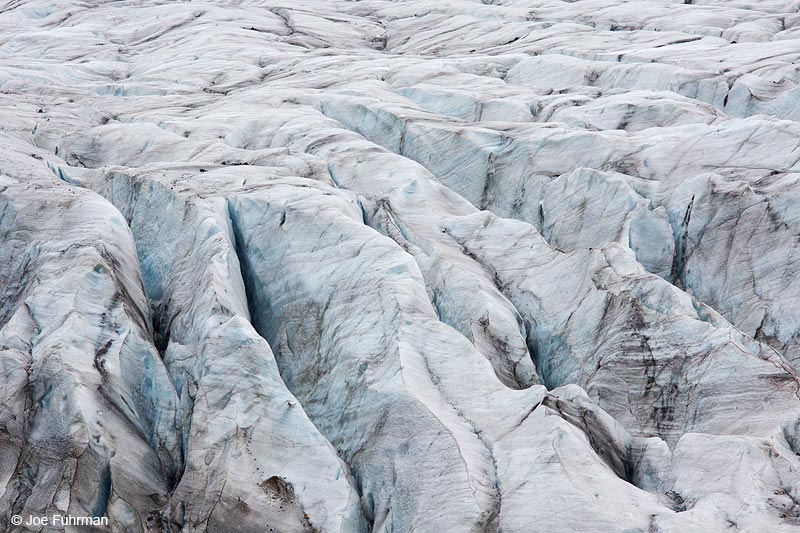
x: 90, y: 414
x: 234, y: 404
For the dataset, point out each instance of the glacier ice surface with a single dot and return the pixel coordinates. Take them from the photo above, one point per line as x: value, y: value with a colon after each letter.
x: 528, y: 265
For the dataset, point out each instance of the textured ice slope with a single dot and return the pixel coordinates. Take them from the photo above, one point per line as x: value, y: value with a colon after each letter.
x: 401, y: 266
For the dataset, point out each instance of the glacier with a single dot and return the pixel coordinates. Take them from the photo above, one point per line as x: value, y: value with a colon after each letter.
x: 400, y: 266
